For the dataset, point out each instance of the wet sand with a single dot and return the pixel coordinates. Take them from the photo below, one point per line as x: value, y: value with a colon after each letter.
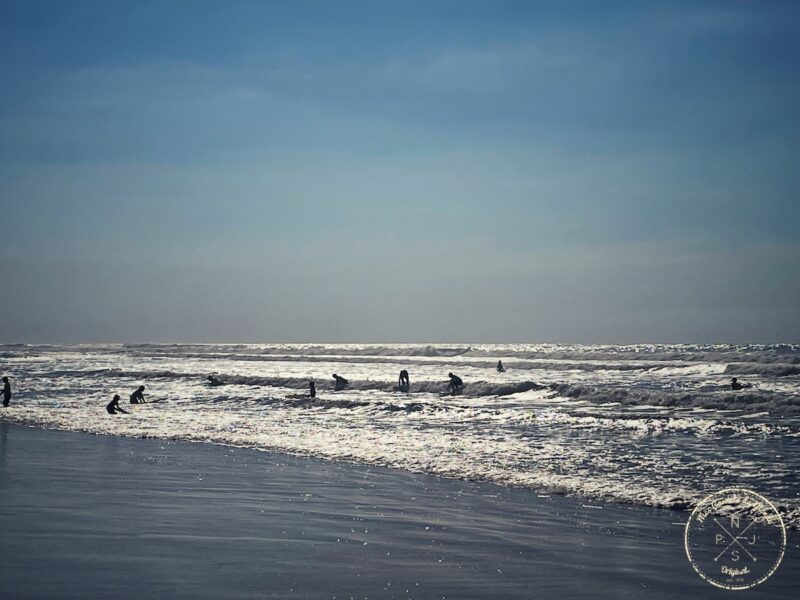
x: 84, y: 516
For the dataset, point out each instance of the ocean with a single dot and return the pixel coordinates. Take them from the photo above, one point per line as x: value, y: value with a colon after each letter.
x: 656, y: 425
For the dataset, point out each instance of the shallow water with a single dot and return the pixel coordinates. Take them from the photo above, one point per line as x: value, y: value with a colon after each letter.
x: 112, y: 517
x: 653, y: 425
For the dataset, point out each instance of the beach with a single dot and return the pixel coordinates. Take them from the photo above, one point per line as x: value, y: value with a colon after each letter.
x: 88, y: 516
x: 399, y: 300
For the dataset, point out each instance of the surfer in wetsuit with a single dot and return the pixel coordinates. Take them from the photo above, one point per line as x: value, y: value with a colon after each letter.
x: 213, y: 380
x: 6, y: 391
x: 113, y: 407
x: 312, y: 389
x: 735, y: 385
x: 137, y: 397
x: 404, y: 382
x: 455, y: 384
x: 341, y: 382
x: 500, y: 367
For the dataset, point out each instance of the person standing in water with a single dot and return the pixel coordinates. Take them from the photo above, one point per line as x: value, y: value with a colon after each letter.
x: 6, y: 391
x: 455, y: 384
x: 500, y: 367
x: 137, y: 397
x: 113, y: 407
x: 340, y: 384
x: 312, y: 389
x: 404, y: 383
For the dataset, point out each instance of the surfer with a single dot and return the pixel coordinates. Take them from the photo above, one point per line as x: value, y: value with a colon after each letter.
x: 500, y: 367
x: 113, y: 407
x: 404, y: 383
x: 137, y: 397
x: 312, y: 389
x: 340, y: 384
x: 735, y: 385
x: 455, y: 384
x: 213, y: 380
x: 6, y: 391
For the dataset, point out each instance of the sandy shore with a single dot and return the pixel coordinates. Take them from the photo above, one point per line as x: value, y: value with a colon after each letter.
x: 85, y: 516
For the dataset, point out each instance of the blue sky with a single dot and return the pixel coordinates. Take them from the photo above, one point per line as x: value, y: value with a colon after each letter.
x: 377, y: 171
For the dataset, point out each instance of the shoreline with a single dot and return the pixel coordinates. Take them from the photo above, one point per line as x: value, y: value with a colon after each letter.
x: 85, y: 515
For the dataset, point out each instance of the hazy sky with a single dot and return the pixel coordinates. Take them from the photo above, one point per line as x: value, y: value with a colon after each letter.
x: 399, y: 171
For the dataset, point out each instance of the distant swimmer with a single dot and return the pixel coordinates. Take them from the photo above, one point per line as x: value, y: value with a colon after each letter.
x: 735, y: 385
x: 404, y: 383
x: 341, y: 382
x: 137, y: 397
x: 500, y: 367
x: 114, y: 407
x: 214, y: 380
x: 455, y: 384
x: 312, y: 389
x: 6, y: 391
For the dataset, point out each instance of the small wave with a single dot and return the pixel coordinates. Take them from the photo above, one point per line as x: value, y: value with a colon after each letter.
x: 773, y: 369
x: 750, y: 401
x: 303, y: 349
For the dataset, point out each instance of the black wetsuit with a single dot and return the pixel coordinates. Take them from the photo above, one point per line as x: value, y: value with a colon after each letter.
x: 500, y: 367
x: 6, y: 393
x: 455, y: 384
x: 137, y: 397
x: 341, y: 383
x: 114, y: 407
x: 312, y: 389
x: 404, y: 381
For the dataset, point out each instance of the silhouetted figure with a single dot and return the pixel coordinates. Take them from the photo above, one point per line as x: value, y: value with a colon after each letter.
x: 214, y: 380
x: 500, y: 367
x: 312, y: 389
x: 735, y: 385
x: 137, y: 397
x: 455, y: 384
x: 113, y: 407
x: 404, y: 383
x: 6, y: 391
x: 341, y: 382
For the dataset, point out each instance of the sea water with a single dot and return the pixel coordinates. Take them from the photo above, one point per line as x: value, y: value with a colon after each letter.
x: 650, y: 424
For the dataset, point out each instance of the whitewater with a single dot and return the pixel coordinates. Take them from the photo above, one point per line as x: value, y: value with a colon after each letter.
x: 657, y: 425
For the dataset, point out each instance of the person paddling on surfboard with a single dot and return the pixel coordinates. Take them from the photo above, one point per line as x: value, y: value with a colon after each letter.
x: 455, y: 384
x: 735, y: 385
x: 340, y: 384
x: 137, y: 397
x: 113, y: 407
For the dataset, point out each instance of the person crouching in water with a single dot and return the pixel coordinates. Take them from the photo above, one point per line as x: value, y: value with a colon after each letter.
x: 404, y: 384
x: 455, y: 384
x: 500, y: 367
x: 113, y: 407
x: 137, y: 397
x: 340, y: 384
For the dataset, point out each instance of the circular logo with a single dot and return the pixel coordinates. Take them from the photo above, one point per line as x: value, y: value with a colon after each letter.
x: 735, y: 539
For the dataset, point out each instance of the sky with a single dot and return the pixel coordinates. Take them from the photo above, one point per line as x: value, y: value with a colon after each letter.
x: 434, y: 171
